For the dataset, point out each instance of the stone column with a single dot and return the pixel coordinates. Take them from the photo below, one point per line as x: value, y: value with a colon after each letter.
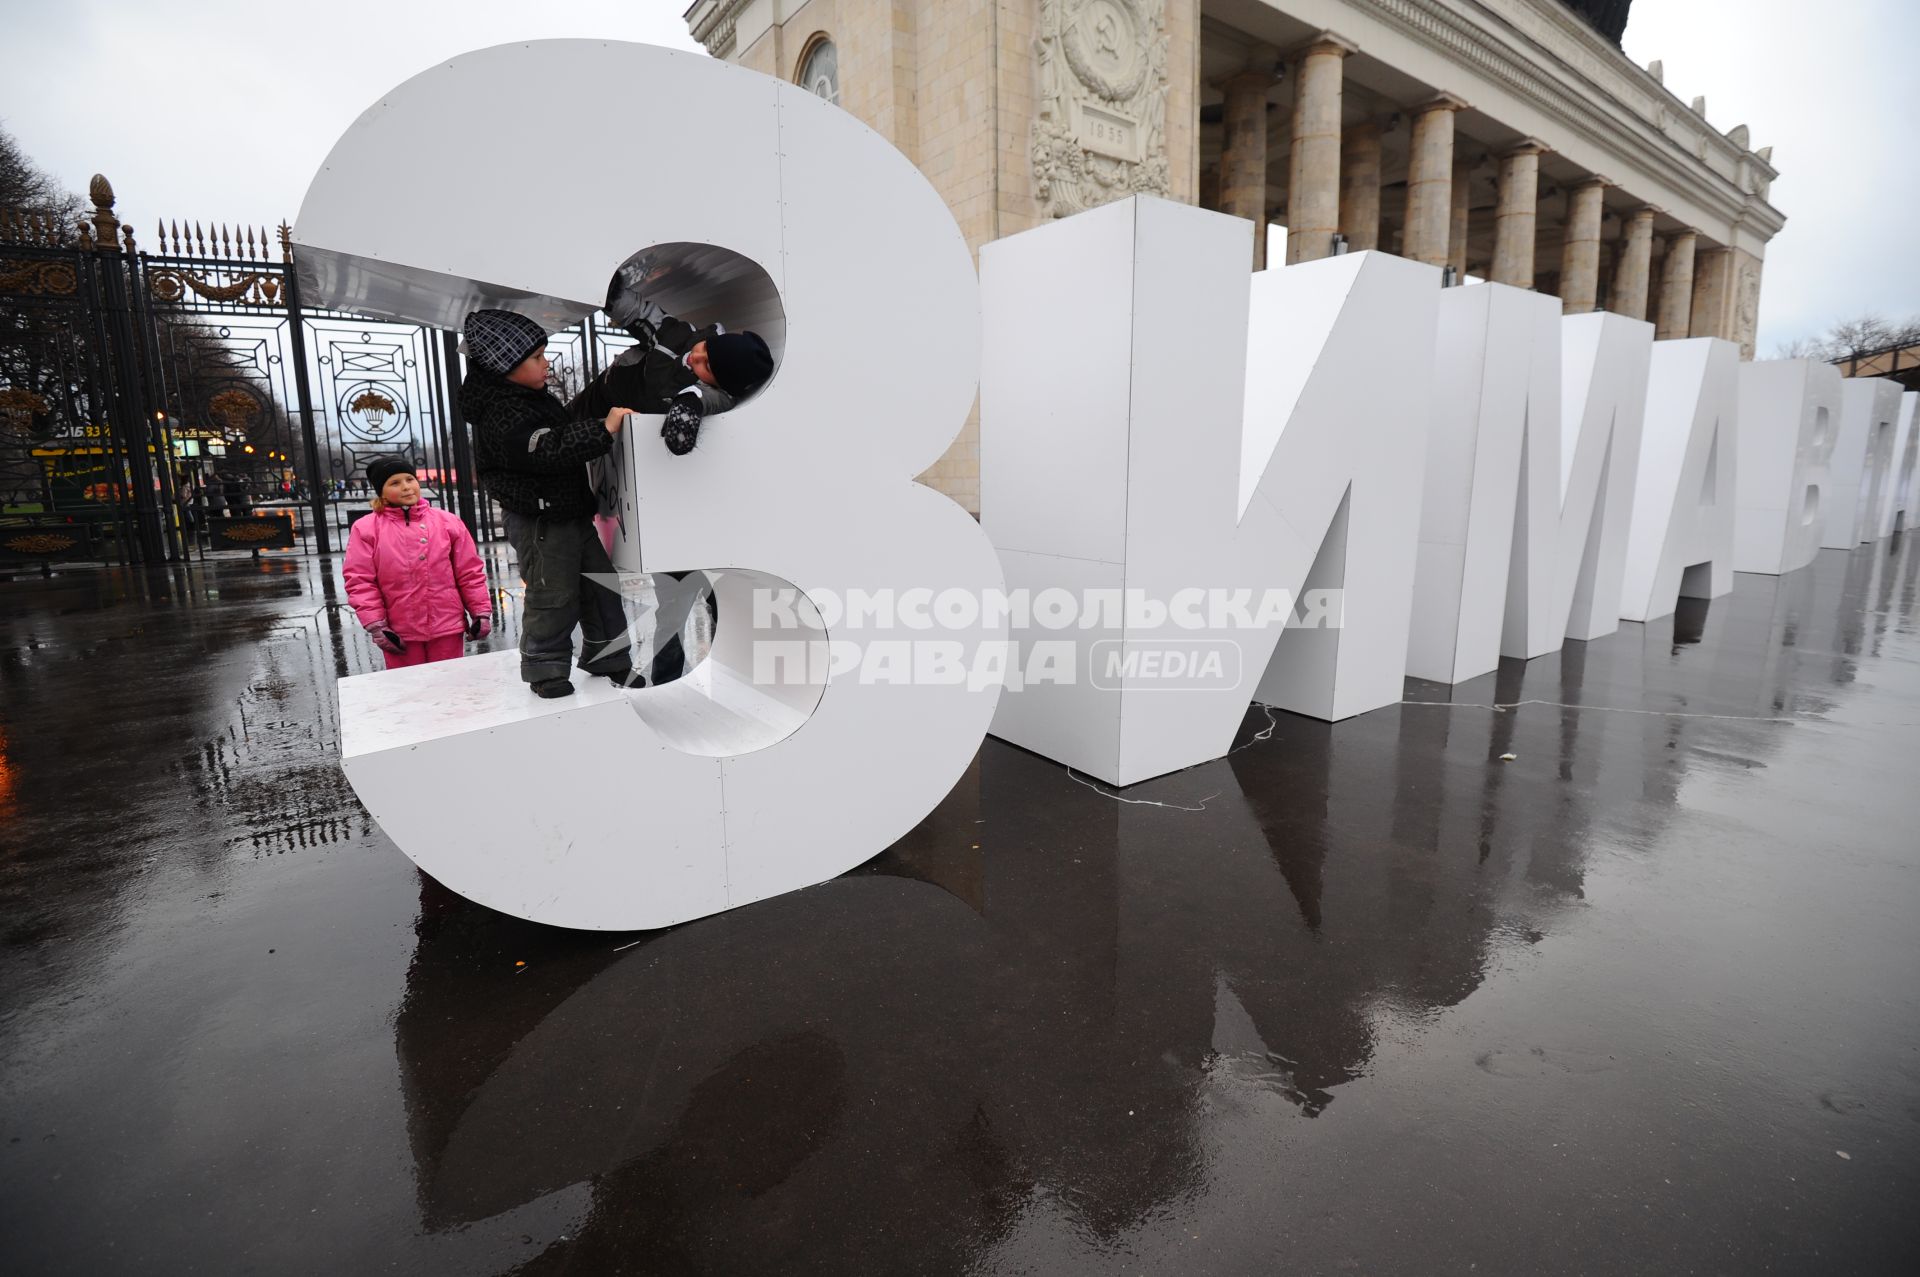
x: 1243, y: 159
x: 1743, y: 316
x: 1580, y: 248
x: 1630, y: 278
x: 1360, y: 187
x: 1676, y: 288
x: 1313, y: 166
x: 1461, y: 220
x: 1430, y: 181
x: 1712, y: 294
x: 1515, y: 216
x: 1183, y: 81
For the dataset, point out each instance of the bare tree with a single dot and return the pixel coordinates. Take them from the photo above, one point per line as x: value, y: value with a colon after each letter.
x: 43, y: 378
x: 1800, y: 348
x: 28, y: 188
x: 1852, y: 338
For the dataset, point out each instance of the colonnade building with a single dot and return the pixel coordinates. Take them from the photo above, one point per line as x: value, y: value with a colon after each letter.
x: 1506, y: 140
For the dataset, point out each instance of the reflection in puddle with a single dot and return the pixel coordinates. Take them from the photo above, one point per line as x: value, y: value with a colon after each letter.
x: 1047, y: 1031
x: 1242, y: 1060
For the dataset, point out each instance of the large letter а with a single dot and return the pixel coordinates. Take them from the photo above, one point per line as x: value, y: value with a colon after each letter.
x: 456, y: 191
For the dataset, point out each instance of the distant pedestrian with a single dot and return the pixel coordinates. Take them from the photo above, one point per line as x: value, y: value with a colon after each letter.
x: 184, y: 493
x: 413, y: 576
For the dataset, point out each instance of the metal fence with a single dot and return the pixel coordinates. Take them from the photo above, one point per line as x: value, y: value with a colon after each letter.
x: 168, y: 404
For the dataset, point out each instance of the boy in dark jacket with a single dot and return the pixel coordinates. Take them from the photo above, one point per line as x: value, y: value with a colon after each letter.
x: 677, y: 369
x: 683, y: 372
x: 531, y: 454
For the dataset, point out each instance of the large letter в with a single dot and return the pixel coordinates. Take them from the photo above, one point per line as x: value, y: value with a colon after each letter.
x: 615, y: 810
x: 1789, y: 411
x: 1862, y: 460
x: 1155, y: 419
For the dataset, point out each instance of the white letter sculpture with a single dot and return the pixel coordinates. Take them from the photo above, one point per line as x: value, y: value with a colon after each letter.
x: 1603, y: 402
x: 1681, y: 538
x: 1582, y: 381
x: 1862, y: 459
x: 1789, y: 412
x: 1530, y: 480
x: 616, y: 810
x: 1493, y: 475
x: 1896, y: 504
x: 1162, y: 427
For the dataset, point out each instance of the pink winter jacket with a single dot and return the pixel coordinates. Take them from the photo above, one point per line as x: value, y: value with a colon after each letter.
x: 415, y: 571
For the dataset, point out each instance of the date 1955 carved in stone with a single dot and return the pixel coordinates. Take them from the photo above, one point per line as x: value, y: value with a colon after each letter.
x: 1101, y: 129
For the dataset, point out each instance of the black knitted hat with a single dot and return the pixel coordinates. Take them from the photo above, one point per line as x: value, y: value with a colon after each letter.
x: 741, y: 362
x: 381, y: 469
x: 498, y: 340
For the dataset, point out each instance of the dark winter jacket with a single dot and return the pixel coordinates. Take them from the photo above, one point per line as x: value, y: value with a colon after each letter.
x: 530, y: 452
x: 651, y: 376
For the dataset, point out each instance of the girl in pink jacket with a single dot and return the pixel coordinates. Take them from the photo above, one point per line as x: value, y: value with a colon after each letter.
x: 413, y: 574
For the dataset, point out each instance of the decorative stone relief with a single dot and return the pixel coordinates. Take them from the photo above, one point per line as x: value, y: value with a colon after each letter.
x: 1746, y: 313
x: 1100, y: 130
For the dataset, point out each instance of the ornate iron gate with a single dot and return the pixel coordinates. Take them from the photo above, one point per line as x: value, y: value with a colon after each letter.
x: 309, y: 397
x: 160, y: 405
x: 70, y: 485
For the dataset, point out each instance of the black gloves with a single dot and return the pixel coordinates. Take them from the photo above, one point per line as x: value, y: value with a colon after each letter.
x: 682, y: 426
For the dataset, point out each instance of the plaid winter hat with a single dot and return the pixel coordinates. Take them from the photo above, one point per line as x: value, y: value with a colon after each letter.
x: 497, y: 340
x: 740, y: 362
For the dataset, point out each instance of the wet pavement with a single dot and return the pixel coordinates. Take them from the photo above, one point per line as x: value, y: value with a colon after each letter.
x: 1358, y: 998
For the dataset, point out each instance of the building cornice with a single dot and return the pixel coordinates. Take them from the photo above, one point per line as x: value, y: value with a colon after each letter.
x: 1649, y: 125
x: 713, y: 22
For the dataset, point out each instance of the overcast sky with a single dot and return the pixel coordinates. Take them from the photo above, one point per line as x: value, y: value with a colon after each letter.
x: 222, y: 111
x: 1830, y: 87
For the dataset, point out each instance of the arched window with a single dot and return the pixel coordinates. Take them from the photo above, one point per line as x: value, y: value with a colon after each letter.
x: 820, y: 70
